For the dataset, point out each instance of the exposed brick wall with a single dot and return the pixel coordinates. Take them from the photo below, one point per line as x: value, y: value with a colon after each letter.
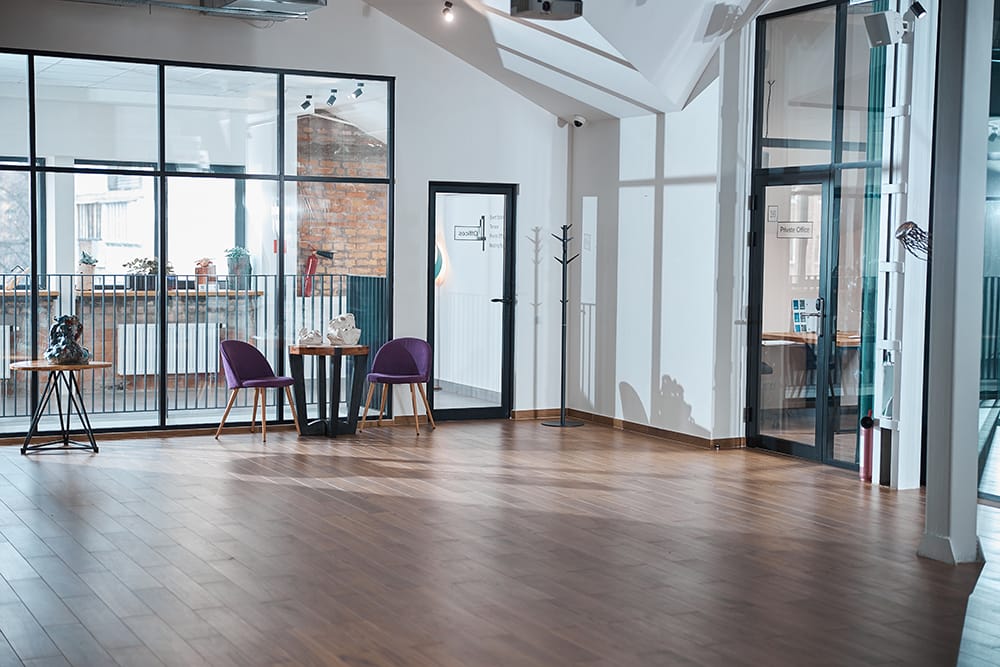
x: 349, y: 218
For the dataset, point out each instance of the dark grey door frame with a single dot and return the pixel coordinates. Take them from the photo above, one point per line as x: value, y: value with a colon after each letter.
x: 830, y: 235
x: 509, y: 191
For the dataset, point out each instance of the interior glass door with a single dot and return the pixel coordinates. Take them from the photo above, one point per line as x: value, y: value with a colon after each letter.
x: 471, y: 299
x: 794, y: 382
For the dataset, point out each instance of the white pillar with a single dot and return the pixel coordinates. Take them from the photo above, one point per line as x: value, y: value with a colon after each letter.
x: 921, y: 55
x: 733, y: 219
x: 955, y: 279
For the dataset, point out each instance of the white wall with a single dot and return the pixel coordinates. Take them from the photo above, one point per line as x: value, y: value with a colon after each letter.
x: 654, y: 180
x: 452, y: 123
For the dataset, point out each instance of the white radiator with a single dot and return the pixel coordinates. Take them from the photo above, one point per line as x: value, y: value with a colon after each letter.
x: 191, y: 348
x: 6, y: 332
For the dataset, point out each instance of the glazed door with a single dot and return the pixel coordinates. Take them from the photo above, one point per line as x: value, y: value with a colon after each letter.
x: 792, y: 389
x: 471, y: 299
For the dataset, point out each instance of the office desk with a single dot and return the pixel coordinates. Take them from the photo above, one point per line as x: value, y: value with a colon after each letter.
x: 333, y: 425
x: 60, y: 375
x: 844, y: 338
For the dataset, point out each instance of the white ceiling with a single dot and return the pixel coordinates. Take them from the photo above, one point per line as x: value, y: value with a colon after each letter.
x: 622, y: 58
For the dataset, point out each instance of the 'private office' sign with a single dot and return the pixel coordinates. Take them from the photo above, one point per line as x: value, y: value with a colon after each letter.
x: 795, y: 230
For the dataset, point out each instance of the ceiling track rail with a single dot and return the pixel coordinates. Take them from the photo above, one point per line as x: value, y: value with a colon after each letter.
x: 233, y: 12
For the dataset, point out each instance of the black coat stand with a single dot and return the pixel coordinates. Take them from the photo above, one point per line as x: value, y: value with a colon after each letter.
x: 564, y: 240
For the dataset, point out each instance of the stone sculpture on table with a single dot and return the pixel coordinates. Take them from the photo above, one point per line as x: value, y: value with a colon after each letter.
x: 64, y: 342
x: 309, y: 337
x: 341, y: 330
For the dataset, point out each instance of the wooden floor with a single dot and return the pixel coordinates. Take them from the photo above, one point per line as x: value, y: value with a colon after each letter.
x: 489, y: 543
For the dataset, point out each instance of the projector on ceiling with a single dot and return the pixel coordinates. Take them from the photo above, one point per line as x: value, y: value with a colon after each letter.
x: 552, y: 10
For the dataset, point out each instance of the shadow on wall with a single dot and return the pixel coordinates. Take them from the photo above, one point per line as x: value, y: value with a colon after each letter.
x: 669, y: 410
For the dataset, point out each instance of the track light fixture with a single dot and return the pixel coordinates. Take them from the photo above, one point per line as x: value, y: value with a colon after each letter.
x: 333, y: 97
x: 307, y: 103
x: 359, y: 91
x: 918, y: 10
x: 449, y: 16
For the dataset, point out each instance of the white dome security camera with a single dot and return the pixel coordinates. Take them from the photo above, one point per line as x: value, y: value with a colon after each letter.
x: 579, y: 121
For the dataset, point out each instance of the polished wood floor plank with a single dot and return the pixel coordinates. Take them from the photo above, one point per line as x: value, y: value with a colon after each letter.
x: 24, y: 634
x: 482, y: 543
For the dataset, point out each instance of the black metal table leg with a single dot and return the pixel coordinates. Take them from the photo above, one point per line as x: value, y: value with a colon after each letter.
x: 76, y: 396
x: 321, y: 391
x: 317, y: 426
x: 42, y: 402
x: 360, y: 366
x: 336, y: 364
x: 74, y: 401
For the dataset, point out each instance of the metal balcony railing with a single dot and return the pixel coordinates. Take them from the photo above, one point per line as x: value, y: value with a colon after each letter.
x: 122, y: 324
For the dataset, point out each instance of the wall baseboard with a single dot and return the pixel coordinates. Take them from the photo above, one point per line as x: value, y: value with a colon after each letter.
x: 550, y: 413
x: 401, y: 419
x: 666, y: 434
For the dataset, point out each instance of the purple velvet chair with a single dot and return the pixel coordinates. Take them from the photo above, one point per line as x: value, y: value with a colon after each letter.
x: 400, y: 361
x: 247, y: 368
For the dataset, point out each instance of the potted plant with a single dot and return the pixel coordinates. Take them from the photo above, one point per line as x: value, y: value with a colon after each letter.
x: 143, y: 272
x: 85, y: 267
x: 238, y: 260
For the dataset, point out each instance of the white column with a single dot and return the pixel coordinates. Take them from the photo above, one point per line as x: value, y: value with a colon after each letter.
x: 920, y: 57
x: 735, y: 98
x: 955, y: 279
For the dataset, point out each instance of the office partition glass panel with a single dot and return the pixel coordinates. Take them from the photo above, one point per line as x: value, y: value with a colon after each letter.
x: 209, y: 210
x: 99, y: 111
x: 114, y: 225
x: 97, y: 226
x: 851, y: 386
x: 864, y: 87
x: 796, y: 122
x: 221, y: 118
x: 989, y: 365
x: 15, y: 307
x: 791, y: 313
x: 336, y: 256
x: 13, y: 108
x: 98, y: 235
x: 336, y: 127
x: 224, y: 287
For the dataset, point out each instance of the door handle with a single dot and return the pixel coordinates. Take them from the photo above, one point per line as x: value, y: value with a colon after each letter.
x: 499, y: 300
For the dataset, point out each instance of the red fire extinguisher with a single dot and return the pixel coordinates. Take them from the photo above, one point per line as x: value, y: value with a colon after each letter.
x: 865, y: 469
x: 307, y: 282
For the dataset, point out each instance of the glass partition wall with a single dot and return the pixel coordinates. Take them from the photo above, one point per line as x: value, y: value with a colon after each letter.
x: 989, y: 368
x: 815, y: 222
x: 171, y: 206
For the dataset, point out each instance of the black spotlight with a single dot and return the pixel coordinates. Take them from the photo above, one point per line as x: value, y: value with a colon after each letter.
x: 918, y: 10
x: 359, y: 91
x: 307, y: 103
x: 333, y: 97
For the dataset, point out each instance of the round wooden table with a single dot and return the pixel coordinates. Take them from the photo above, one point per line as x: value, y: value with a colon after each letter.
x: 60, y: 375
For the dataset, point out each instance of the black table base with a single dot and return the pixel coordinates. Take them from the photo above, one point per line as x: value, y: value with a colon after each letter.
x: 332, y: 425
x: 74, y: 402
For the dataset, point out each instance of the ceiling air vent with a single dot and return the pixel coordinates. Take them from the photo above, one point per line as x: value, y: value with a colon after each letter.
x: 552, y: 10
